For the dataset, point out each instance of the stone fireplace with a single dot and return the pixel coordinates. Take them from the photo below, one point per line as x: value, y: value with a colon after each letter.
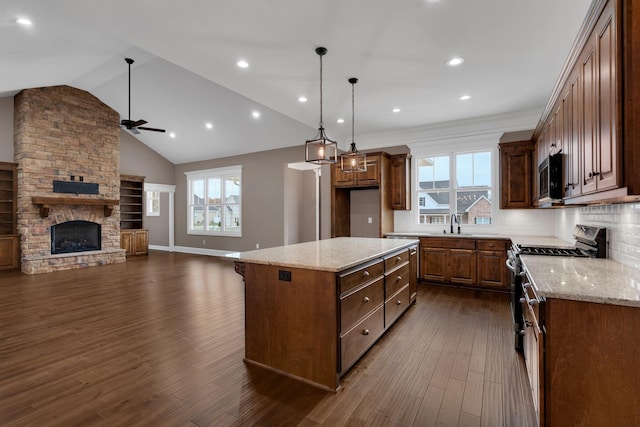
x: 61, y: 134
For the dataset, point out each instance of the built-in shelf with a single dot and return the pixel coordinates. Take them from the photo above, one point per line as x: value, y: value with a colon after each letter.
x: 45, y: 203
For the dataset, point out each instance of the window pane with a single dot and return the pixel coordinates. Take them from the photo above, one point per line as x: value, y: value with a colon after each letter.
x: 435, y: 209
x: 197, y: 220
x: 473, y: 169
x: 214, y: 190
x: 433, y: 172
x: 232, y: 189
x: 473, y: 204
x: 232, y: 218
x: 197, y: 192
x: 215, y: 218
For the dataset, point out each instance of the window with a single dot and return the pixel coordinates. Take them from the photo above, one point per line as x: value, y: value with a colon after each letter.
x: 455, y: 183
x: 153, y: 203
x: 214, y: 201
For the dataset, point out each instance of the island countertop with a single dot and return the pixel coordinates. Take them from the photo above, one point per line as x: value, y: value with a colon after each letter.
x: 332, y: 255
x: 596, y: 280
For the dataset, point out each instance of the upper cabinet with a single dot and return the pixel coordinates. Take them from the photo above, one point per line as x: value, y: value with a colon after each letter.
x: 400, y: 176
x: 369, y: 178
x: 587, y: 119
x: 516, y: 173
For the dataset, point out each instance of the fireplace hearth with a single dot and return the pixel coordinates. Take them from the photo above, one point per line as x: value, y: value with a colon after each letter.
x: 75, y: 236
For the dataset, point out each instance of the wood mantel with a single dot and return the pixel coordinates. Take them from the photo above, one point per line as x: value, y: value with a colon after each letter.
x: 45, y: 203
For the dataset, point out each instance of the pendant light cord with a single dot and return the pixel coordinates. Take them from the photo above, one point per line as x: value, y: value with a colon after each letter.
x: 353, y: 113
x: 321, y: 121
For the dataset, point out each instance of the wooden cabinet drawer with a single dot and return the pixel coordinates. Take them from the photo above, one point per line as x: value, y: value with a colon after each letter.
x: 351, y: 279
x: 356, y: 305
x: 492, y: 245
x: 394, y: 260
x: 448, y: 242
x: 356, y: 341
x: 396, y: 305
x: 395, y: 280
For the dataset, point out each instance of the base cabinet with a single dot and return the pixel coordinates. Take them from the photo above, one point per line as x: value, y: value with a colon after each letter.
x: 586, y: 368
x: 135, y: 242
x: 465, y: 261
x: 9, y: 252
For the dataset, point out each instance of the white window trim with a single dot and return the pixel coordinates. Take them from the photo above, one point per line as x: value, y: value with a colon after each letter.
x: 205, y: 173
x: 451, y: 147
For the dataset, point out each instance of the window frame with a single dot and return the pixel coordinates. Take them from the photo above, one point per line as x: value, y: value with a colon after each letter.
x: 206, y: 175
x: 451, y: 148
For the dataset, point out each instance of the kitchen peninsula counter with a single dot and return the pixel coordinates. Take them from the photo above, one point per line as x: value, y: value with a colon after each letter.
x: 313, y: 309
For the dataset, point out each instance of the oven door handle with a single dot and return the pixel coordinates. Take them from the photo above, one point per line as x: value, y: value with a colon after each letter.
x: 510, y: 263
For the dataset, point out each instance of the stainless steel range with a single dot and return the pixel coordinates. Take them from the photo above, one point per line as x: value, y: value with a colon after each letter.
x: 589, y: 242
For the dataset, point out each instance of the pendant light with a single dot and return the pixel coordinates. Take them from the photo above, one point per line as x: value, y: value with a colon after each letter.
x: 353, y: 161
x: 321, y: 150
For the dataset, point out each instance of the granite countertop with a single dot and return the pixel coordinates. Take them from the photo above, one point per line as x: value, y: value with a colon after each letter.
x: 584, y: 279
x: 332, y: 255
x: 522, y: 240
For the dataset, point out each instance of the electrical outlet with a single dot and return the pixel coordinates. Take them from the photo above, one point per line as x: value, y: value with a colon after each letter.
x: 284, y: 275
x: 204, y: 242
x: 370, y: 220
x: 257, y: 245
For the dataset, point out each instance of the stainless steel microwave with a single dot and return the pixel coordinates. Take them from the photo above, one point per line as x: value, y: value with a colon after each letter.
x: 550, y: 178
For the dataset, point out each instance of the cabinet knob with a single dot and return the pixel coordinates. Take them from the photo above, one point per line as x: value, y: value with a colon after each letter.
x: 398, y: 302
x: 398, y: 259
x: 365, y: 332
x: 365, y: 299
x: 366, y: 273
x: 399, y: 278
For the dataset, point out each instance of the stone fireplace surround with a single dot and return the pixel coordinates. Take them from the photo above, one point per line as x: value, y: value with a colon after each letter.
x: 62, y: 131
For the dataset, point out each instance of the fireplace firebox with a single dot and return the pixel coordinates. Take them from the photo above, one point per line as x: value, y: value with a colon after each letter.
x: 76, y: 236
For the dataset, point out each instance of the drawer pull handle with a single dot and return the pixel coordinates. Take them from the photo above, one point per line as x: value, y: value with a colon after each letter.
x: 366, y: 273
x: 366, y: 299
x: 399, y: 278
x: 365, y: 332
x: 398, y: 259
x: 398, y: 302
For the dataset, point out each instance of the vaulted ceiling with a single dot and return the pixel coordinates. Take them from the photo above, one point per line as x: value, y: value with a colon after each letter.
x: 185, y: 74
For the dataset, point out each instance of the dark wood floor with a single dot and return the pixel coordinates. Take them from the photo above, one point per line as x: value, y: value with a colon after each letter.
x: 160, y: 340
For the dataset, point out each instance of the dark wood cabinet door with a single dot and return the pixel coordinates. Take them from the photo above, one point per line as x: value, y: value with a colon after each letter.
x: 516, y: 174
x: 372, y: 175
x: 606, y: 171
x: 127, y: 242
x: 433, y: 264
x: 491, y: 269
x: 141, y: 242
x: 462, y: 266
x: 573, y: 164
x: 413, y: 272
x: 342, y: 179
x: 589, y: 117
x: 9, y: 252
x: 400, y: 191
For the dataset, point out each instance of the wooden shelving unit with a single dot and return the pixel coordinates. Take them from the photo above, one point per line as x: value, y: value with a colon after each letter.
x: 9, y: 239
x: 133, y: 237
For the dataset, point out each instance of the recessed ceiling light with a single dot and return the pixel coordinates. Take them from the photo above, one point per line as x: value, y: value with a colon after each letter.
x: 465, y: 97
x: 172, y: 135
x: 433, y: 1
x: 302, y: 99
x: 255, y: 114
x: 340, y: 120
x: 456, y: 60
x: 23, y: 21
x: 209, y: 125
x: 242, y: 64
x: 395, y: 110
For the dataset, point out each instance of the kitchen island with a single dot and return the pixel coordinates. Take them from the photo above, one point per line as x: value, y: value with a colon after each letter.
x: 313, y: 309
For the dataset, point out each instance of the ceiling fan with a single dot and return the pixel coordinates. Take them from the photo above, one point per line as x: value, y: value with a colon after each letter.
x: 128, y: 123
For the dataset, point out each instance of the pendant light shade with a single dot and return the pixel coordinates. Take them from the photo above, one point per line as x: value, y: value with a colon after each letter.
x: 353, y: 160
x: 321, y: 150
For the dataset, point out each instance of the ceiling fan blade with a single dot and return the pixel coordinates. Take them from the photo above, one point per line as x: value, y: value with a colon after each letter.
x: 138, y: 123
x: 134, y: 131
x: 151, y: 129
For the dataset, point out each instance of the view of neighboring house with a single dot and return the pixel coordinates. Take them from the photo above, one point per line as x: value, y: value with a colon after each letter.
x: 472, y: 207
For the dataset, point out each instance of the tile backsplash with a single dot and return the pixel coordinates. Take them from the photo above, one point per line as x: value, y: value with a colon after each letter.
x: 622, y: 222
